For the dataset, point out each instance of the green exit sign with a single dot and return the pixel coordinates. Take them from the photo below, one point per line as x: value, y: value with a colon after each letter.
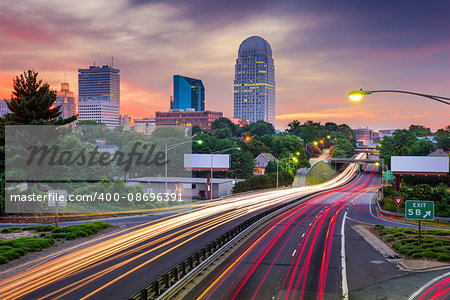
x: 419, y: 210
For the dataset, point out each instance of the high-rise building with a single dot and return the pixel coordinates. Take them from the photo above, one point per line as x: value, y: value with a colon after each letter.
x: 65, y: 101
x: 4, y: 108
x: 99, y: 83
x: 99, y: 94
x: 187, y: 93
x: 254, y: 83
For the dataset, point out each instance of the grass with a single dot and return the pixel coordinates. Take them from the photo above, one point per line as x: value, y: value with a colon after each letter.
x: 435, y: 243
x: 16, y: 248
x: 320, y: 173
x: 433, y: 223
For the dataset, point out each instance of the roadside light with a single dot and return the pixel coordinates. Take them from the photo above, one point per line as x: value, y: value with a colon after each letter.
x: 357, y: 95
x: 328, y: 137
x: 247, y: 138
x: 377, y: 164
x: 199, y: 142
x: 295, y: 159
x: 315, y: 143
x: 321, y: 141
x: 298, y: 153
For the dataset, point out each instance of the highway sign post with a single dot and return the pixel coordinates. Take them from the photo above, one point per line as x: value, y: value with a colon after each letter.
x: 398, y: 201
x: 388, y: 175
x: 419, y: 210
x: 57, y: 198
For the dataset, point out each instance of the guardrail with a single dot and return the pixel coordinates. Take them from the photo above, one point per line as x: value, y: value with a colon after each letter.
x: 171, y: 282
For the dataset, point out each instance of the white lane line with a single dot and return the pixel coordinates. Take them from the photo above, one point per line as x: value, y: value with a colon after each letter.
x: 343, y: 263
x: 293, y: 253
x: 309, y: 224
x: 303, y: 235
x: 427, y: 285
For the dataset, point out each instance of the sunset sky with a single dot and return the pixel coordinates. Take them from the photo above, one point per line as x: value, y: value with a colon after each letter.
x: 322, y: 50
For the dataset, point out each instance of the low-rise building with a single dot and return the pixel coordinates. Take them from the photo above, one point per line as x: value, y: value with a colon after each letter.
x: 261, y: 162
x: 145, y: 125
x: 188, y: 118
x: 189, y: 188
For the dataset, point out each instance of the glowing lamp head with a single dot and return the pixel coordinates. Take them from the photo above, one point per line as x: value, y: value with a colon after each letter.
x: 298, y: 153
x: 377, y: 164
x: 316, y: 143
x: 321, y: 141
x: 247, y: 138
x: 199, y: 142
x: 328, y: 137
x: 357, y: 95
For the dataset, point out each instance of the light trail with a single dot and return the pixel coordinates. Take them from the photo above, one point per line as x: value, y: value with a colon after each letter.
x: 181, y: 229
x: 257, y: 251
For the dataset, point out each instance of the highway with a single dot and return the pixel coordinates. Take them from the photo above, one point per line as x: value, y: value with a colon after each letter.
x: 120, y: 264
x: 298, y: 255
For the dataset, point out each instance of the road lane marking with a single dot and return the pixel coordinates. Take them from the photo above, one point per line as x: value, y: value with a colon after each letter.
x: 417, y: 293
x: 343, y: 263
x: 303, y: 235
x: 293, y: 253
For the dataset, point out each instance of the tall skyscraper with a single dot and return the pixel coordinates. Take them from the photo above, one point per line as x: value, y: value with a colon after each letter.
x: 99, y: 83
x: 99, y: 95
x: 187, y: 93
x: 65, y: 101
x: 254, y: 83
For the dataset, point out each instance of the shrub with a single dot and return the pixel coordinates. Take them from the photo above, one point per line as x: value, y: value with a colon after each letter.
x: 390, y: 238
x: 443, y: 257
x: 6, y: 230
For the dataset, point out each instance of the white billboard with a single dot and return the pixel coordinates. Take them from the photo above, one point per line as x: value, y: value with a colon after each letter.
x: 429, y: 164
x: 203, y: 161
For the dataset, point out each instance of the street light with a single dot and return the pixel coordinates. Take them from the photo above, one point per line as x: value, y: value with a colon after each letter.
x: 358, y: 95
x: 211, y: 174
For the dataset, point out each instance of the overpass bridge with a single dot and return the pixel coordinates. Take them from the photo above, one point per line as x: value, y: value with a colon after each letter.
x: 355, y: 160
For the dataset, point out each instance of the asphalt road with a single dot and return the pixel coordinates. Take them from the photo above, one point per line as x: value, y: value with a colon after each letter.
x: 118, y: 265
x: 298, y: 255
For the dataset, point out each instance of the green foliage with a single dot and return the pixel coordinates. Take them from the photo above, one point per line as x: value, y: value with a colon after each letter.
x: 263, y: 182
x: 224, y: 123
x: 342, y: 149
x: 405, y: 241
x: 419, y: 130
x: 439, y: 194
x: 16, y: 248
x: 259, y: 128
x: 442, y: 138
x: 405, y: 143
x: 320, y: 173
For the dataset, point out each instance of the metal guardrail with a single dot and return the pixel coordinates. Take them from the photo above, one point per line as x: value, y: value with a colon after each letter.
x: 171, y: 282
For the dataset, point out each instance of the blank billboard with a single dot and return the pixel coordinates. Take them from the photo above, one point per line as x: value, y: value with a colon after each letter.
x: 203, y: 161
x: 429, y: 164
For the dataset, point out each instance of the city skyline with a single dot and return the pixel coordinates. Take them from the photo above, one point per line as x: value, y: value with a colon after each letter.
x: 323, y: 51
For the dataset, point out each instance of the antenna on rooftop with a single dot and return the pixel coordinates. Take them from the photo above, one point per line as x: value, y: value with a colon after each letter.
x: 112, y: 61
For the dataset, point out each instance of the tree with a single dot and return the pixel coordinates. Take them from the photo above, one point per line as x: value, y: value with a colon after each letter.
x: 442, y: 138
x: 33, y: 102
x: 343, y: 149
x: 255, y: 146
x: 223, y: 122
x: 419, y: 130
x: 223, y: 133
x: 259, y: 128
x: 165, y: 132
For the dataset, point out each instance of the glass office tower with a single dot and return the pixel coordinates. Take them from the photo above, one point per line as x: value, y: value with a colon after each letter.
x: 254, y: 83
x: 188, y: 93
